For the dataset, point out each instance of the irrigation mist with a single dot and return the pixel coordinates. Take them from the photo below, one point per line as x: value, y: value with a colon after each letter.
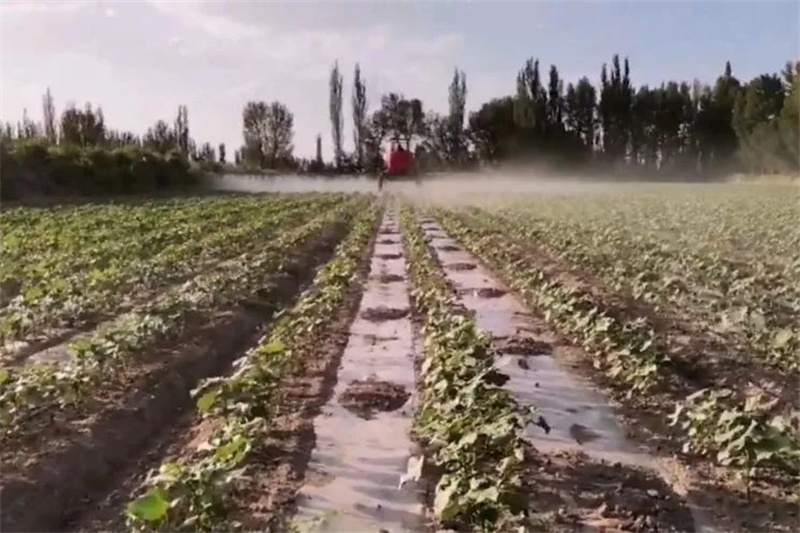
x: 474, y: 187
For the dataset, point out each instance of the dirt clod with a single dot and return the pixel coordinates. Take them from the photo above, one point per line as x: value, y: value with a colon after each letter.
x: 390, y: 278
x: 525, y: 346
x: 387, y: 241
x: 461, y: 266
x: 365, y: 397
x: 379, y: 314
x: 490, y: 292
x: 389, y: 256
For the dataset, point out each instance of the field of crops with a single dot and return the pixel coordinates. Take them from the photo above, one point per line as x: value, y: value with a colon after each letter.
x: 625, y: 360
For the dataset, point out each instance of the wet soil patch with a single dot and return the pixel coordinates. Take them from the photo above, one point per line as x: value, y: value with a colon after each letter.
x: 376, y: 339
x: 570, y: 491
x: 389, y: 256
x: 380, y: 314
x: 365, y: 397
x: 527, y: 346
x: 57, y: 469
x: 461, y: 266
x: 390, y: 278
x: 449, y: 248
x: 483, y: 292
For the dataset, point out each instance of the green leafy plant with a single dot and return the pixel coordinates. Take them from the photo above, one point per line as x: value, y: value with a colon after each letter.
x: 471, y: 429
x: 746, y: 437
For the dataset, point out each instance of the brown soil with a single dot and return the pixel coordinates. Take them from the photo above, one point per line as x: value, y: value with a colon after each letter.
x: 365, y: 397
x: 569, y: 491
x: 380, y: 314
x: 518, y: 345
x: 461, y: 266
x: 389, y: 256
x: 490, y: 292
x: 390, y: 278
x: 375, y: 339
x: 56, y: 469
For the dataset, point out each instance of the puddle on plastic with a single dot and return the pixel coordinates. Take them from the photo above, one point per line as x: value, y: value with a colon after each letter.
x: 352, y: 484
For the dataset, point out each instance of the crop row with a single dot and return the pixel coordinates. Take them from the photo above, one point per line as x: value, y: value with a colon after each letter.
x: 751, y: 306
x: 31, y: 389
x: 742, y: 433
x: 471, y: 429
x: 54, y: 299
x: 77, y: 237
x: 198, y: 493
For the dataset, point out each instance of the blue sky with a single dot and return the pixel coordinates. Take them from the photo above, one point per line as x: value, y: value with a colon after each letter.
x: 140, y: 59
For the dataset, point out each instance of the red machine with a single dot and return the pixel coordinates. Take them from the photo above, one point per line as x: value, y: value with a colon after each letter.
x: 400, y: 164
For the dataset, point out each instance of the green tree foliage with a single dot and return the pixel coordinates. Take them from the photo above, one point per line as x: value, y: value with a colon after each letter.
x: 49, y: 118
x: 182, y: 130
x: 401, y: 119
x: 160, y: 138
x: 34, y: 167
x: 765, y: 119
x: 335, y: 107
x: 579, y: 111
x: 268, y: 133
x: 221, y: 151
x: 83, y: 128
x: 493, y: 130
x: 207, y: 154
x: 615, y: 109
x: 359, y: 104
x: 375, y: 132
x: 530, y: 110
x: 457, y: 102
x: 675, y: 129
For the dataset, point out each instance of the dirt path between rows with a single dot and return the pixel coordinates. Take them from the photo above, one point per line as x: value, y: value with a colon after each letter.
x: 584, y: 473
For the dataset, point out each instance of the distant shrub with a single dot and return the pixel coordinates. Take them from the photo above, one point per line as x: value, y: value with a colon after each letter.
x: 34, y: 168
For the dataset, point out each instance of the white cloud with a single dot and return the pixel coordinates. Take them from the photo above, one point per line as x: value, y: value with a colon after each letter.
x: 11, y: 8
x: 194, y: 15
x: 110, y: 12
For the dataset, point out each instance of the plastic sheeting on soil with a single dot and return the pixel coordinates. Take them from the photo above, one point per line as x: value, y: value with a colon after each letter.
x: 352, y: 479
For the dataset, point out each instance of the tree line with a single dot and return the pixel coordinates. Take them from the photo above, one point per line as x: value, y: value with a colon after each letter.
x: 86, y: 127
x: 77, y: 153
x: 677, y: 128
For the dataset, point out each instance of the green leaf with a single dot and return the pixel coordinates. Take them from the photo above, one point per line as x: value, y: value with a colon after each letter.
x: 152, y: 507
x: 274, y: 347
x: 445, y: 505
x: 782, y: 338
x: 207, y: 401
x: 490, y: 494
